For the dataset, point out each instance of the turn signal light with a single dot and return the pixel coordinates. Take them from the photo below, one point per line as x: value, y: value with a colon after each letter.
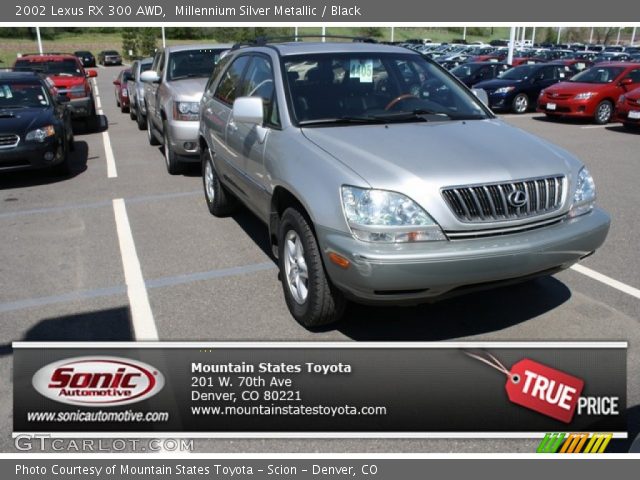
x: 339, y: 260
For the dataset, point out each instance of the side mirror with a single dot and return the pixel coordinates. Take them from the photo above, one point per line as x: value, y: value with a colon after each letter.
x: 626, y: 81
x: 91, y: 73
x: 63, y: 99
x: 481, y: 94
x: 248, y: 110
x: 150, y: 76
x: 116, y: 82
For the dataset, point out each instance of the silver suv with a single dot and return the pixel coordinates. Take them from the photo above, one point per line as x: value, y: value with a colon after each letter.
x: 137, y: 110
x: 173, y: 88
x: 383, y: 179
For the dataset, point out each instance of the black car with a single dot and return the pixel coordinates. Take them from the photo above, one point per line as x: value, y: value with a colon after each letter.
x: 86, y: 58
x: 518, y: 88
x: 109, y: 57
x: 475, y: 72
x: 35, y: 125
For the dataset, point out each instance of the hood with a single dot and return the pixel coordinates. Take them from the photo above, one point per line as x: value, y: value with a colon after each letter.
x: 573, y: 88
x: 188, y: 89
x: 23, y: 119
x: 65, y: 81
x: 418, y: 159
x: 497, y: 83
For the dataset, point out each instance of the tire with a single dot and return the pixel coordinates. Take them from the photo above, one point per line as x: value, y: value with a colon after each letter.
x: 91, y: 122
x: 153, y: 141
x: 604, y: 112
x: 63, y: 169
x: 312, y: 301
x: 123, y: 109
x: 132, y: 113
x: 520, y: 103
x: 141, y: 120
x: 171, y: 159
x: 219, y: 202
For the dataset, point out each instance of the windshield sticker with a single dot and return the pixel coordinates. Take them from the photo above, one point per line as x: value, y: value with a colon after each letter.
x: 361, y: 69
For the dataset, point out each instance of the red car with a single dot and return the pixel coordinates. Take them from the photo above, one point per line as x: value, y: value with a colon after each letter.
x: 628, y: 109
x: 121, y: 92
x: 591, y: 93
x: 69, y: 78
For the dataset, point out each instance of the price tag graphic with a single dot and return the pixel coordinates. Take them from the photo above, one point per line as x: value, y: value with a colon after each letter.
x: 539, y: 387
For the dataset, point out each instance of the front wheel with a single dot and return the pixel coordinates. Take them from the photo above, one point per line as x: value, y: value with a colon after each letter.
x: 171, y: 159
x: 520, y: 103
x: 309, y: 295
x: 141, y: 119
x: 604, y: 111
x: 153, y: 141
x: 219, y: 202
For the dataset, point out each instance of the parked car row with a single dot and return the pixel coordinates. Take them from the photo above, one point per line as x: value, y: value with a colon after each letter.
x: 379, y: 176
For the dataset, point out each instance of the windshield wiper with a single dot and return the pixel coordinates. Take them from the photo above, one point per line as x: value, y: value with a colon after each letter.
x: 343, y: 120
x: 417, y: 114
x: 188, y: 75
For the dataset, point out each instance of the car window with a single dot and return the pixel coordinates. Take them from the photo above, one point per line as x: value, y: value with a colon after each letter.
x: 598, y: 75
x: 192, y: 63
x: 65, y: 68
x: 21, y: 94
x: 563, y: 72
x: 547, y: 73
x: 258, y: 81
x: 634, y: 75
x: 226, y: 91
x: 331, y: 86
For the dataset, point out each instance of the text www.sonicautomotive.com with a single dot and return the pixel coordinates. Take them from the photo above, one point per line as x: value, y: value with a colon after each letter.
x: 98, y: 416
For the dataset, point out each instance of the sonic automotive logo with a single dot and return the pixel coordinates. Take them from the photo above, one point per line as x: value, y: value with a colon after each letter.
x: 574, y: 443
x: 98, y: 381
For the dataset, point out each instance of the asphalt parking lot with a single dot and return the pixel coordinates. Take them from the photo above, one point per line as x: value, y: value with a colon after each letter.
x: 70, y: 250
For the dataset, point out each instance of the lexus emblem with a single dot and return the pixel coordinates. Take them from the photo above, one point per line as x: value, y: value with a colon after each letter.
x: 517, y: 198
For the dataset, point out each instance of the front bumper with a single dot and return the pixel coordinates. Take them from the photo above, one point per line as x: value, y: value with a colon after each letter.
x: 112, y: 61
x: 412, y: 273
x: 622, y: 115
x: 184, y: 139
x: 81, y: 107
x: 31, y: 155
x: 501, y: 101
x: 569, y: 108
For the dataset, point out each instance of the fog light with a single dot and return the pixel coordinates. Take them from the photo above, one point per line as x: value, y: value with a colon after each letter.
x: 189, y: 145
x: 49, y: 156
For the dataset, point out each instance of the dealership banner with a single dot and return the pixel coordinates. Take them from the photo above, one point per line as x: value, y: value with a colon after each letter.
x: 320, y: 389
x: 317, y: 11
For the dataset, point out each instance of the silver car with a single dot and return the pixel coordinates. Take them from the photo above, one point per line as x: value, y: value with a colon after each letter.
x: 383, y: 179
x: 137, y: 110
x: 172, y: 93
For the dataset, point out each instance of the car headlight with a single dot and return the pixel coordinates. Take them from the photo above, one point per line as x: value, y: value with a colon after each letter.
x: 387, y: 217
x: 585, y: 194
x: 187, y: 111
x: 505, y: 89
x: 584, y: 95
x: 40, y: 134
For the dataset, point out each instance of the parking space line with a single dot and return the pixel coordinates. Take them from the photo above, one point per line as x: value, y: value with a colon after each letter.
x: 106, y: 203
x: 112, y: 172
x: 595, y: 126
x: 61, y: 298
x: 210, y: 275
x: 98, y: 102
x: 144, y: 326
x: 623, y: 287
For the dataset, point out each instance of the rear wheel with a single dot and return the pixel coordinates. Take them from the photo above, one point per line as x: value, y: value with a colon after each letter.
x: 171, y: 159
x: 604, y: 111
x: 520, y: 103
x: 132, y: 113
x: 141, y: 120
x: 311, y: 298
x: 219, y: 202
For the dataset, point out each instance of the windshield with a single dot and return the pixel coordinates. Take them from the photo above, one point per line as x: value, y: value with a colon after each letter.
x: 465, y: 70
x: 193, y: 63
x: 519, y: 73
x: 67, y: 68
x: 598, y: 75
x: 111, y: 52
x: 326, y: 88
x: 22, y: 94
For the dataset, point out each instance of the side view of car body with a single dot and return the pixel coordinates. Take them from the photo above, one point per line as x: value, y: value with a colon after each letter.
x: 517, y: 89
x: 628, y: 109
x: 135, y: 87
x: 121, y: 90
x: 173, y: 89
x: 383, y: 180
x: 591, y: 94
x: 35, y: 125
x: 70, y: 79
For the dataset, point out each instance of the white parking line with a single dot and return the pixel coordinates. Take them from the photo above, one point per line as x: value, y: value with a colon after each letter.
x: 98, y: 102
x: 595, y: 126
x: 623, y: 287
x: 144, y: 326
x: 112, y: 172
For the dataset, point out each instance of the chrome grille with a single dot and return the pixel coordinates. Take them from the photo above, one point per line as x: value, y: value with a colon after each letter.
x: 490, y: 202
x: 8, y: 140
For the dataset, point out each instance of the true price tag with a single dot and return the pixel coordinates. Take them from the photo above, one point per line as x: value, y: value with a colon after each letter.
x: 539, y: 387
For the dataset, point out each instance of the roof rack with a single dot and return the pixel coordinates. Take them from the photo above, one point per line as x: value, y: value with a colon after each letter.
x: 263, y: 40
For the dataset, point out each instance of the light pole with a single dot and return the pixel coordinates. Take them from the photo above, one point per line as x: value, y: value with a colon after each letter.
x: 393, y: 37
x: 464, y: 33
x: 558, y: 40
x: 164, y: 40
x: 39, y: 40
x: 618, y: 39
x: 633, y: 36
x: 324, y: 32
x: 296, y: 33
x: 533, y: 37
x: 512, y: 41
x: 591, y: 36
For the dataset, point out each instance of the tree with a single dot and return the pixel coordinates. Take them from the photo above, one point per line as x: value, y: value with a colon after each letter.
x: 130, y: 42
x: 147, y: 41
